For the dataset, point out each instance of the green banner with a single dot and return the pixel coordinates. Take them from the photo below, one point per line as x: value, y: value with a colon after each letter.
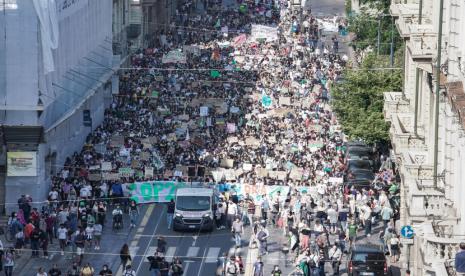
x: 154, y: 191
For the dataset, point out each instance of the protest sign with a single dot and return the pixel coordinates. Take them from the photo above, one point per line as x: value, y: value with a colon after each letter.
x: 110, y: 176
x: 126, y: 172
x: 148, y: 172
x: 232, y: 140
x: 284, y: 100
x: 154, y: 191
x: 229, y: 175
x: 193, y: 49
x: 215, y: 74
x: 106, y: 166
x: 261, y: 172
x: 116, y: 141
x: 336, y: 180
x: 174, y: 56
x: 251, y: 141
x: 94, y: 177
x: 247, y: 167
x: 239, y: 40
x: 218, y: 175
x: 227, y: 163
x: 261, y: 32
x: 231, y: 127
x: 204, y: 111
x: 257, y: 191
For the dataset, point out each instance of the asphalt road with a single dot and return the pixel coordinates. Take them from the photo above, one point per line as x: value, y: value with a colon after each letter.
x: 199, y: 251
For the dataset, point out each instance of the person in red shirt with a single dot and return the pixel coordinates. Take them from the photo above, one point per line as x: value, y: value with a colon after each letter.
x: 28, y: 230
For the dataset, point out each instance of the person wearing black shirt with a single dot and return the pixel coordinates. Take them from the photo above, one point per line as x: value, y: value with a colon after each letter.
x: 35, y: 237
x: 170, y: 213
x: 54, y: 271
x: 105, y: 271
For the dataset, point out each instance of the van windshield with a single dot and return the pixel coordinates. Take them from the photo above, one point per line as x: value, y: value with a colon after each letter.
x: 193, y: 203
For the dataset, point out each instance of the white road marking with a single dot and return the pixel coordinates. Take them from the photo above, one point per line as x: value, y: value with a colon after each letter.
x: 212, y: 255
x: 150, y: 252
x: 170, y: 253
x: 193, y: 251
x: 154, y: 232
x: 133, y: 250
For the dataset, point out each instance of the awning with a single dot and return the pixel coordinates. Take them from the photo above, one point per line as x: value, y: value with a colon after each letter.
x: 32, y: 135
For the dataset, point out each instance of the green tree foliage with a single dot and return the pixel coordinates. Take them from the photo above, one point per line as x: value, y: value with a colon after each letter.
x: 365, y: 26
x: 358, y: 99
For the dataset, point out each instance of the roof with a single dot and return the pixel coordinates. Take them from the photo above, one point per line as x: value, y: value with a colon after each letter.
x: 368, y: 248
x: 194, y: 191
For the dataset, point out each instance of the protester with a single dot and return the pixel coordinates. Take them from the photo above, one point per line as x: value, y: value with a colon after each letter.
x: 460, y: 260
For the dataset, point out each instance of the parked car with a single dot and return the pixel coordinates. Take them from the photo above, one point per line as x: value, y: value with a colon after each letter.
x: 359, y: 165
x: 359, y: 179
x: 367, y: 260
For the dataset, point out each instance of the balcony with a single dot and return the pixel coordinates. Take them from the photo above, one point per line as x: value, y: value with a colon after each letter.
x: 403, y: 138
x: 422, y: 48
x: 395, y: 102
x: 402, y: 7
x: 437, y: 253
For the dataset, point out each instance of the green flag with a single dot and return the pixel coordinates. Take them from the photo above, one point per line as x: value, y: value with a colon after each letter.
x: 154, y: 94
x: 215, y: 73
x: 243, y: 8
x: 218, y: 23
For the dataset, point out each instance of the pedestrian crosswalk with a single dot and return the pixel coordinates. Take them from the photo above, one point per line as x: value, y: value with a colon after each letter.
x: 213, y: 253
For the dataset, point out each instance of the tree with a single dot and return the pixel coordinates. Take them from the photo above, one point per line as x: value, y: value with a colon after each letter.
x: 358, y: 99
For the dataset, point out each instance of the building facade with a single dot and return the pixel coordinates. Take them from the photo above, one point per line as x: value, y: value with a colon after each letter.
x: 427, y: 130
x: 58, y: 69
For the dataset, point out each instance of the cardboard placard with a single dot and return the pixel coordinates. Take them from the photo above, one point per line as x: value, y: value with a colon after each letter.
x: 107, y: 166
x: 111, y: 176
x: 145, y: 156
x: 148, y: 172
x: 227, y: 163
x: 94, y: 177
x: 296, y: 174
x: 261, y: 172
x: 252, y: 141
x: 126, y: 172
x: 247, y: 167
x: 232, y: 140
x: 117, y: 141
x: 135, y: 164
x: 283, y: 101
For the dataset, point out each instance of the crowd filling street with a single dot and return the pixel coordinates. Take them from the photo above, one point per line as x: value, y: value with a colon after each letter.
x: 239, y: 97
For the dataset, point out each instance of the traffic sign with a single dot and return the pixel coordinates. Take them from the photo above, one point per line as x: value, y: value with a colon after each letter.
x: 407, y: 232
x: 406, y: 241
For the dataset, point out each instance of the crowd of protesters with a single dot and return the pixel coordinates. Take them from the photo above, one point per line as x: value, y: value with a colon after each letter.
x: 262, y: 104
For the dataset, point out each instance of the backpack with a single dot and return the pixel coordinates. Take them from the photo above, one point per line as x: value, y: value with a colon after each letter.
x: 311, y: 263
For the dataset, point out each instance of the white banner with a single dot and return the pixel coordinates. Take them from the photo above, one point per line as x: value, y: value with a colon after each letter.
x: 67, y: 8
x: 264, y: 32
x: 22, y: 163
x: 174, y: 56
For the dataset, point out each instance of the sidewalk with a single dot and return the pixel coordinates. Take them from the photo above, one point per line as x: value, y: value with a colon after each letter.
x: 110, y: 244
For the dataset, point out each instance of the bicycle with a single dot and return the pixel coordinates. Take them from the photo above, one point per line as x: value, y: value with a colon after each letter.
x: 9, y: 235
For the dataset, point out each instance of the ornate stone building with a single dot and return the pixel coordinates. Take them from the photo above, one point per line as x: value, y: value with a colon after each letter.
x: 427, y: 130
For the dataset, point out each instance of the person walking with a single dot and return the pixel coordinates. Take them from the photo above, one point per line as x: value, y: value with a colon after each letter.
x: 351, y: 234
x: 170, y: 213
x: 97, y: 235
x: 176, y: 267
x: 9, y: 262
x: 87, y: 270
x: 262, y: 236
x: 276, y: 271
x: 105, y: 271
x: 62, y: 238
x: 335, y: 256
x: 258, y: 267
x: 133, y: 213
x: 395, y: 248
x: 125, y: 256
x: 237, y: 229
x: 54, y: 271
x: 232, y: 212
x: 232, y: 268
x: 460, y: 260
x: 128, y: 271
x: 43, y: 242
x: 35, y: 239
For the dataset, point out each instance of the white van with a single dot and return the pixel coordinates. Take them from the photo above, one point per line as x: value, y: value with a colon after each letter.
x: 194, y: 209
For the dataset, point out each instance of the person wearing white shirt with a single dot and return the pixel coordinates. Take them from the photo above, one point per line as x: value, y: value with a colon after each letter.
x: 231, y: 213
